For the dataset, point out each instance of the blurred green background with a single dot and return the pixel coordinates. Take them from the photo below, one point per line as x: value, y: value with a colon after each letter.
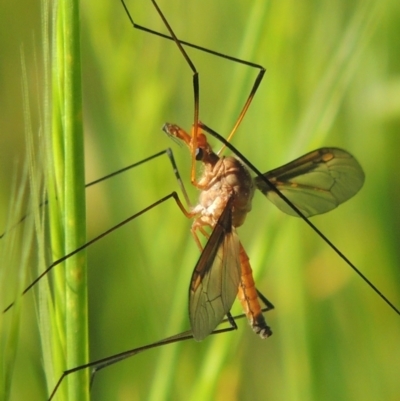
x: 333, y: 79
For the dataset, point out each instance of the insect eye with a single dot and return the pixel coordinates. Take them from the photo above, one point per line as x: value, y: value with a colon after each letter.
x: 199, y: 154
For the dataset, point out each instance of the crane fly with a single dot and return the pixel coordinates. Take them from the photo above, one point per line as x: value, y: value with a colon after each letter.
x: 313, y: 184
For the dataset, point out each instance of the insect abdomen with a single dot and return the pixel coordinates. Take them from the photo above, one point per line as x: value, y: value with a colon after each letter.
x: 248, y: 297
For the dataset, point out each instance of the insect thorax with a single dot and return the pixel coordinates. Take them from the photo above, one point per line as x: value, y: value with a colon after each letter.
x: 226, y: 178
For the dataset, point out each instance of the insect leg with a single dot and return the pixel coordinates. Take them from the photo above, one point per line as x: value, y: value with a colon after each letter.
x: 103, y: 363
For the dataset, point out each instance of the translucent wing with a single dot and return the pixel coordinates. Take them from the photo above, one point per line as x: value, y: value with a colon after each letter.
x: 215, y: 279
x: 316, y: 182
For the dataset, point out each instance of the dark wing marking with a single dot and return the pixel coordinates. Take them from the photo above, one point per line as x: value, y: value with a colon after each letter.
x: 316, y: 182
x: 215, y: 279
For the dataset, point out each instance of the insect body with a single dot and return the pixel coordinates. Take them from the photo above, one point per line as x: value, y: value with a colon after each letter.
x: 223, y: 268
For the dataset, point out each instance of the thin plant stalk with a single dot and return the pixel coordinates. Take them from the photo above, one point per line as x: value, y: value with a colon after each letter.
x: 67, y: 198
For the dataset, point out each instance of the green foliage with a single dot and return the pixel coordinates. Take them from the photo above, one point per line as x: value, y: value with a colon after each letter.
x: 54, y: 178
x: 332, y: 80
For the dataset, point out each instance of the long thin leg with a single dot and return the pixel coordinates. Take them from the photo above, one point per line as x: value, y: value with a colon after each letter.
x: 100, y: 364
x: 173, y: 195
x: 196, y: 92
x: 174, y: 166
x: 167, y: 152
x: 196, y: 88
x: 268, y: 304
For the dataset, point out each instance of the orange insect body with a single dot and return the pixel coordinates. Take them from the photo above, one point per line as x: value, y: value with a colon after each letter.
x: 227, y: 190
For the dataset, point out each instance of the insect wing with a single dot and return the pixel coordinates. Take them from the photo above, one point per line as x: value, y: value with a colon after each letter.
x: 215, y: 279
x: 315, y: 183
